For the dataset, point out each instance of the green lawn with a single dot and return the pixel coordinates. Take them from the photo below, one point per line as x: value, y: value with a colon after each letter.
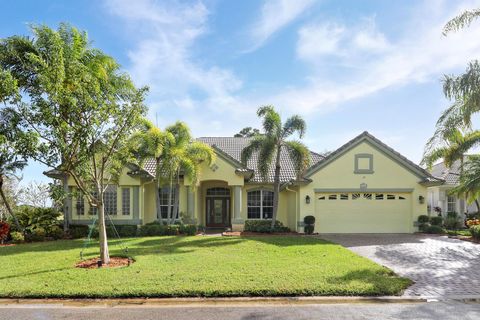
x: 196, y: 266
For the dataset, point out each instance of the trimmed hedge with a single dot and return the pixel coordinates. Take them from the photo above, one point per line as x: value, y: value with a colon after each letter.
x: 124, y: 231
x: 157, y: 229
x: 128, y: 231
x: 434, y: 229
x: 436, y: 221
x: 309, y: 220
x: 264, y: 226
x: 475, y: 232
x: 423, y: 219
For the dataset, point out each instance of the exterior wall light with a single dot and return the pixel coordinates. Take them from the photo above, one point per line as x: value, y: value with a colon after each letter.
x: 307, y: 199
x: 421, y: 199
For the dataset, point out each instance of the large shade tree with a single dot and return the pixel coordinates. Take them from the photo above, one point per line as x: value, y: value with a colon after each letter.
x: 272, y: 145
x: 80, y: 106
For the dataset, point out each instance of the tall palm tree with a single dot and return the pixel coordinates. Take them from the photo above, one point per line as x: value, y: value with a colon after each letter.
x: 273, y: 143
x: 182, y: 155
x: 147, y: 143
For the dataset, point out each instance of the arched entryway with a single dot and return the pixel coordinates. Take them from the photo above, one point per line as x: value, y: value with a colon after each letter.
x: 217, y: 207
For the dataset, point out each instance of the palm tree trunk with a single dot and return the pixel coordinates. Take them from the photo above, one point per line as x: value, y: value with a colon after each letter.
x: 7, y: 205
x: 157, y: 201
x: 176, y: 197
x: 169, y: 211
x: 276, y: 187
x: 102, y: 230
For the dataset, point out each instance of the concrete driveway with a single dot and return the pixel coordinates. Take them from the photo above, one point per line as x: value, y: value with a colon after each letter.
x: 439, y: 266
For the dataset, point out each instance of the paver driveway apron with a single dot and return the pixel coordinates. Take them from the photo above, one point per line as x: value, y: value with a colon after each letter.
x: 440, y: 266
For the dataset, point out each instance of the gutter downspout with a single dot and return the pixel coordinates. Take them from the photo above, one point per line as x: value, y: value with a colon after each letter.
x: 296, y: 206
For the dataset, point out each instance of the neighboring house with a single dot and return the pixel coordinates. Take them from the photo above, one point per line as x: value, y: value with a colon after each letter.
x: 362, y: 187
x: 439, y: 196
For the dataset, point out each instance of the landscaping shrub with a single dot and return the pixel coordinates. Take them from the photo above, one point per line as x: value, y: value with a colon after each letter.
x: 472, y: 215
x: 264, y: 226
x: 38, y: 223
x: 124, y: 231
x: 452, y: 223
x: 17, y: 237
x: 56, y: 233
x: 475, y: 232
x: 436, y: 221
x: 4, y: 231
x: 452, y: 214
x: 77, y: 231
x: 309, y: 228
x: 37, y: 234
x: 309, y: 222
x: 423, y: 219
x: 435, y: 229
x: 424, y: 226
x: 188, y: 229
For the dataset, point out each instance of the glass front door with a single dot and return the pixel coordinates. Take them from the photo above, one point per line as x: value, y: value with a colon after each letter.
x: 217, y: 212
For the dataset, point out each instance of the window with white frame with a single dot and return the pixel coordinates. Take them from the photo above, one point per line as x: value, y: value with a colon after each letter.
x: 80, y: 204
x: 125, y: 201
x: 260, y: 204
x: 110, y: 199
x: 451, y: 204
x: 164, y: 194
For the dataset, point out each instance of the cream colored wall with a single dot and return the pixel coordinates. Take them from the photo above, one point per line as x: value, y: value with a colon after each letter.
x: 224, y: 172
x: 387, y: 174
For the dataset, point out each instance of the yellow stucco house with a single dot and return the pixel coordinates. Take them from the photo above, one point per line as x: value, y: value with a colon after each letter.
x: 362, y: 187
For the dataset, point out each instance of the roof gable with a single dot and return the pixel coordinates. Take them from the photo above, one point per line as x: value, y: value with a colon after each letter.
x: 395, y: 156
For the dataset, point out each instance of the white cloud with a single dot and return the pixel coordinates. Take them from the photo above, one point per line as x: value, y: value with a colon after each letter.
x: 276, y: 14
x: 419, y: 54
x: 163, y: 53
x: 317, y: 40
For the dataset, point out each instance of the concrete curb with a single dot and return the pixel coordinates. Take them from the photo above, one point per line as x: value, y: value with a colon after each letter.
x: 223, y: 301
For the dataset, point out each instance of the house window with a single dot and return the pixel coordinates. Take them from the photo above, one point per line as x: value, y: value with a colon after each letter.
x: 125, y: 201
x: 164, y: 194
x: 379, y: 196
x: 93, y: 210
x: 260, y: 204
x: 390, y: 197
x: 110, y: 199
x: 451, y: 204
x: 332, y: 197
x: 344, y: 196
x: 80, y: 204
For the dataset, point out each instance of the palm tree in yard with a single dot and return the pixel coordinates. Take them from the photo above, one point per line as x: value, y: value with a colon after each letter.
x: 470, y: 181
x: 273, y: 143
x: 182, y: 155
x: 175, y: 153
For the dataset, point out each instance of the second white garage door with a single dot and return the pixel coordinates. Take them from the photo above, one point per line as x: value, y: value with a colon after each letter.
x: 363, y: 212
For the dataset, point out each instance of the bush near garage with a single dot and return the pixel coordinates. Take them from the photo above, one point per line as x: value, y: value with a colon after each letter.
x: 423, y: 219
x: 436, y: 221
x: 309, y: 222
x: 434, y: 229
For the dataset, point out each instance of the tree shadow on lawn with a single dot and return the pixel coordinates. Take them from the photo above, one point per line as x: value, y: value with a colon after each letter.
x: 34, y: 273
x: 176, y: 244
x: 290, y: 240
x: 379, y: 283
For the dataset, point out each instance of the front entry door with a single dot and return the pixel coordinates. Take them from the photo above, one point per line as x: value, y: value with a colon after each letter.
x: 217, y: 212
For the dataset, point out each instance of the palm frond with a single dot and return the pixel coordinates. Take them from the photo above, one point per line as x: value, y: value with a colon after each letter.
x: 470, y: 179
x: 461, y: 21
x: 294, y: 124
x: 272, y: 123
x: 254, y: 146
x: 300, y: 156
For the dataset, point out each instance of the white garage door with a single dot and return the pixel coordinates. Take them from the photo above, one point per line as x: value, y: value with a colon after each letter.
x: 363, y: 212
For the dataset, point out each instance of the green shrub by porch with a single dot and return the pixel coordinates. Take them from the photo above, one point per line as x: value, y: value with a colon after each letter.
x: 264, y: 226
x: 475, y: 232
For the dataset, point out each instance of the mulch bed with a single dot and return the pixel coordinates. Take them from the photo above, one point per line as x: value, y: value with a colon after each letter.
x: 469, y: 239
x: 115, y: 262
x: 6, y: 244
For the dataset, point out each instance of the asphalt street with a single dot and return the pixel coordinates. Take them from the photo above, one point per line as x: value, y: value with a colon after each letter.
x: 424, y: 310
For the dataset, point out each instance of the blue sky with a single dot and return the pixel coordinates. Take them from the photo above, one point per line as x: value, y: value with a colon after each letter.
x: 345, y: 66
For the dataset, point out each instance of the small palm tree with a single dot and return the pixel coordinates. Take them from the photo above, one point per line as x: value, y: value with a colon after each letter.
x: 182, y: 154
x: 273, y: 143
